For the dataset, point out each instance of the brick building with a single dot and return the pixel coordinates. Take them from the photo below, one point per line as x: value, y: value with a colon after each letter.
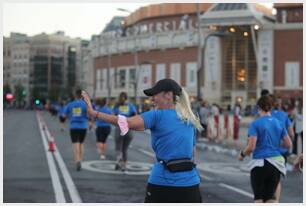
x: 239, y: 52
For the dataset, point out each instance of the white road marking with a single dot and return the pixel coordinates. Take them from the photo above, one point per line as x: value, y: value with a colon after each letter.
x: 150, y: 154
x: 73, y: 192
x: 58, y: 189
x: 237, y: 190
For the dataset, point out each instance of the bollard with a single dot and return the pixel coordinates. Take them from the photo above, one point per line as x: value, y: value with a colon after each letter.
x: 51, y: 144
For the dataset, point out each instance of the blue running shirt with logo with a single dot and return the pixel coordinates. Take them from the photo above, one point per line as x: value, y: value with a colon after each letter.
x: 127, y: 109
x: 76, y: 111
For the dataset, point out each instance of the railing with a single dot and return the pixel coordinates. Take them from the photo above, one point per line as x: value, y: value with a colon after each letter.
x: 144, y: 42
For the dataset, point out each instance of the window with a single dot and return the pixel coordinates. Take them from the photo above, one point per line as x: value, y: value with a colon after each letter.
x: 122, y: 78
x: 104, y: 79
x: 132, y: 77
x: 160, y: 71
x: 292, y: 71
x: 175, y: 72
x: 191, y: 69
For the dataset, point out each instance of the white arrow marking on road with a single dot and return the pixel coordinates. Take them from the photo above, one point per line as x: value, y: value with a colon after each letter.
x: 236, y: 190
x: 73, y: 192
x: 58, y: 189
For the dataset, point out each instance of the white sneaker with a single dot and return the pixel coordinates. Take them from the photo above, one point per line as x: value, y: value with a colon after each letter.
x: 102, y: 157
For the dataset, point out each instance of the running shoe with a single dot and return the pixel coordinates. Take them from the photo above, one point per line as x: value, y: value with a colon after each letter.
x: 123, y: 168
x: 117, y: 166
x: 78, y: 166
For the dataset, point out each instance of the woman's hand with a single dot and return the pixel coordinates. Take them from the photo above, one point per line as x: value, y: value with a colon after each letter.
x: 88, y: 103
x: 240, y: 156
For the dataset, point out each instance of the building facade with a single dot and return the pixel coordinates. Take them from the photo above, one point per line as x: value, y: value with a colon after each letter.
x: 16, y: 65
x: 48, y: 66
x: 233, y: 56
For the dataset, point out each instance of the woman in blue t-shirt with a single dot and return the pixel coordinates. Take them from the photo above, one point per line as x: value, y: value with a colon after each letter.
x: 264, y: 139
x: 76, y: 112
x: 174, y: 177
x: 103, y: 128
x: 122, y: 143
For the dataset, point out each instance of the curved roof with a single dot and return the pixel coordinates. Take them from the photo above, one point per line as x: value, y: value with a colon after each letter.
x: 165, y: 9
x: 237, y: 14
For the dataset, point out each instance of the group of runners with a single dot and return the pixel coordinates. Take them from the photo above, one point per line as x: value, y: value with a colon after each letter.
x: 173, y: 125
x: 79, y: 121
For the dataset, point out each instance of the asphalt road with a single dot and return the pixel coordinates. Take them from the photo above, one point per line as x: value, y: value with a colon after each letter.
x: 30, y: 176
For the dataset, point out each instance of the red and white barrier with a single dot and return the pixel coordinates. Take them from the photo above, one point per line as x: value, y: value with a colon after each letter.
x: 223, y: 127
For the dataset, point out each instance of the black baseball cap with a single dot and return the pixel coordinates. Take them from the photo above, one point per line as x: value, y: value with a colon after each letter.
x: 164, y: 85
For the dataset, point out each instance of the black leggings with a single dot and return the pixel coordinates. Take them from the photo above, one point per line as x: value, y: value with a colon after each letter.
x: 122, y: 144
x: 169, y: 194
x: 264, y: 181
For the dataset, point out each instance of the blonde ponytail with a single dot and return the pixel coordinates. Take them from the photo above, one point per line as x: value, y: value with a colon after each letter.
x: 183, y: 109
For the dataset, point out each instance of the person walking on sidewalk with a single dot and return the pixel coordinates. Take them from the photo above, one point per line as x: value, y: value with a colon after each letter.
x: 122, y: 142
x: 265, y: 135
x: 298, y: 129
x: 103, y: 128
x: 76, y: 112
x: 237, y: 117
x: 204, y: 115
x: 174, y: 177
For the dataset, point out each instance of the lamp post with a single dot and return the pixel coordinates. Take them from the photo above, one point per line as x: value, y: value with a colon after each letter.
x: 135, y: 59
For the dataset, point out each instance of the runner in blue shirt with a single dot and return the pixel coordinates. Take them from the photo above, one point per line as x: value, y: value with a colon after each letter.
x: 103, y: 128
x: 174, y: 177
x: 265, y: 136
x: 76, y: 112
x: 284, y: 120
x: 122, y: 142
x: 286, y: 123
x: 61, y: 113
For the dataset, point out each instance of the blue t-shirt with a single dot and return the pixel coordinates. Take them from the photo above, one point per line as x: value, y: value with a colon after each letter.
x: 269, y: 133
x: 171, y: 139
x: 283, y: 118
x: 127, y: 109
x: 76, y: 111
x: 101, y: 123
x: 62, y: 110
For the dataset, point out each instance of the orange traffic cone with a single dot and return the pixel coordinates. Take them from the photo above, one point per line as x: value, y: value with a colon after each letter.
x: 51, y: 144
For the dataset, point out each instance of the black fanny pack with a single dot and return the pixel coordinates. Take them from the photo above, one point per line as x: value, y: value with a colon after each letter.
x: 178, y: 165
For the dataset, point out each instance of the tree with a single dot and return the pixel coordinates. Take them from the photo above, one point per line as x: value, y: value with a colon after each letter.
x: 7, y: 89
x: 19, y: 94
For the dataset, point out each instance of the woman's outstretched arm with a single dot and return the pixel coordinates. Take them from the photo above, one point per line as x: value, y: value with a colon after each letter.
x: 135, y: 122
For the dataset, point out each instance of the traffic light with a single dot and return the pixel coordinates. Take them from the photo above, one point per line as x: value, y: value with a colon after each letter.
x: 9, y: 97
x: 24, y: 92
x: 37, y: 101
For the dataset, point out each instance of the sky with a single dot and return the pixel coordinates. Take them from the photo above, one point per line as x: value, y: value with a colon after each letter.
x: 75, y: 19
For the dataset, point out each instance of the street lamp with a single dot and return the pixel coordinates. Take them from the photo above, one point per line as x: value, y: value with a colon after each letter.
x: 201, y: 60
x: 124, y: 10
